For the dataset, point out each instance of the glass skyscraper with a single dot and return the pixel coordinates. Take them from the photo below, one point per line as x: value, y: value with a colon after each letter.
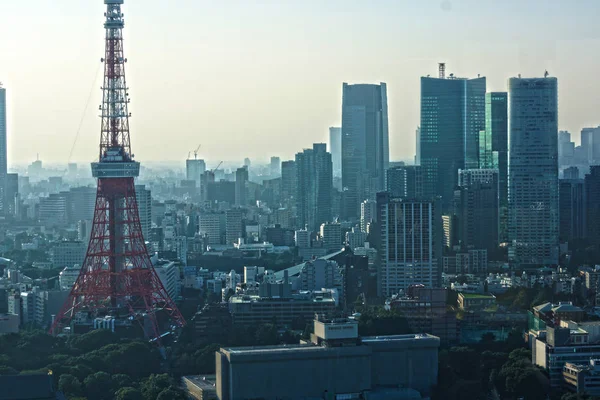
x: 533, y: 195
x: 3, y: 150
x: 493, y: 149
x: 365, y: 144
x: 452, y: 117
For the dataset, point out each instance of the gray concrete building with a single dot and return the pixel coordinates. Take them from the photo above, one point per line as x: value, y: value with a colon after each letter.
x: 337, y: 363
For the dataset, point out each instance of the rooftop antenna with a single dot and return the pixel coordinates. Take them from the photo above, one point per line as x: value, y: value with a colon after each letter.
x: 442, y: 69
x: 546, y: 74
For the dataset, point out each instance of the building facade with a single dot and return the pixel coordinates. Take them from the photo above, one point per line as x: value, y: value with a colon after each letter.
x: 335, y: 147
x: 365, y: 144
x: 533, y: 171
x: 572, y: 207
x: 410, y: 243
x: 405, y: 181
x: 314, y: 180
x: 452, y: 117
x: 3, y: 150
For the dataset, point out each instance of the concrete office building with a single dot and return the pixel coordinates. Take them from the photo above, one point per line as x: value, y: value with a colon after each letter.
x: 168, y: 273
x: 80, y: 203
x: 275, y: 166
x: 410, y: 243
x: 302, y: 239
x: 583, y: 378
x: 68, y: 276
x: 337, y: 363
x: 452, y: 117
x: 331, y: 235
x: 592, y: 203
x: 144, y: 203
x: 288, y: 179
x: 405, y: 181
x: 368, y: 214
x: 533, y: 171
x: 418, y: 146
x: 314, y: 180
x: 194, y: 169
x: 476, y: 210
x: 11, y: 194
x: 3, y: 151
x: 210, y: 225
x: 321, y: 274
x: 233, y: 226
x: 241, y: 190
x: 356, y: 238
x: 335, y: 148
x: 53, y: 210
x: 278, y: 305
x: 68, y: 253
x: 365, y: 144
x: 572, y: 207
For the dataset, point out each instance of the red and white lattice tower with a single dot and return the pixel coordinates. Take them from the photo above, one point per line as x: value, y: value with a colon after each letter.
x: 117, y: 276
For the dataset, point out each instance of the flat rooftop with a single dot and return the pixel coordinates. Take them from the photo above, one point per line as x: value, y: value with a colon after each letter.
x: 409, y: 337
x: 269, y: 349
x: 477, y: 296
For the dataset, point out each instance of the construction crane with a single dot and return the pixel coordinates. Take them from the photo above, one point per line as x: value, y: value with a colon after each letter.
x: 213, y: 171
x: 196, y: 152
x: 189, y: 154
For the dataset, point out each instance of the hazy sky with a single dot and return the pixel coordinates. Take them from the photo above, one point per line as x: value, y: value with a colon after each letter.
x: 255, y: 78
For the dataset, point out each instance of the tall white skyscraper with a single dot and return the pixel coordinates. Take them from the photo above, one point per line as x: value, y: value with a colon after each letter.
x: 3, y: 150
x: 533, y: 171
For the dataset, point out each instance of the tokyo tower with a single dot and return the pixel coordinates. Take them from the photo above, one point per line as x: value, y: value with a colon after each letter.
x: 117, y: 278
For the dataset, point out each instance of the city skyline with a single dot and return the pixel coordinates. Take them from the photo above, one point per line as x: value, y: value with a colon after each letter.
x: 213, y: 64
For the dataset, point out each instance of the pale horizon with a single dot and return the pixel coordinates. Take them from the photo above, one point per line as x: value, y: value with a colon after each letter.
x: 268, y: 77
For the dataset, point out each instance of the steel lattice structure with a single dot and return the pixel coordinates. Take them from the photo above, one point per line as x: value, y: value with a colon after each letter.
x: 117, y: 276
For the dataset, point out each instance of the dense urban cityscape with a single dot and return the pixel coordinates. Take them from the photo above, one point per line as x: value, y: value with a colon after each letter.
x: 471, y: 272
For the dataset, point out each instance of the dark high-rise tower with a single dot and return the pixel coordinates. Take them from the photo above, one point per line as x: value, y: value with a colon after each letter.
x: 117, y: 277
x: 533, y: 215
x: 452, y: 117
x: 365, y: 144
x: 314, y: 180
x: 493, y: 149
x: 3, y: 153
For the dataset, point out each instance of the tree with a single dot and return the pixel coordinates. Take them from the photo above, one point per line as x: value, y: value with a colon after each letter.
x: 120, y: 381
x: 128, y: 393
x: 93, y: 340
x: 98, y: 386
x: 266, y: 334
x: 172, y: 393
x: 152, y: 386
x: 488, y: 338
x: 70, y: 385
x: 4, y: 370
